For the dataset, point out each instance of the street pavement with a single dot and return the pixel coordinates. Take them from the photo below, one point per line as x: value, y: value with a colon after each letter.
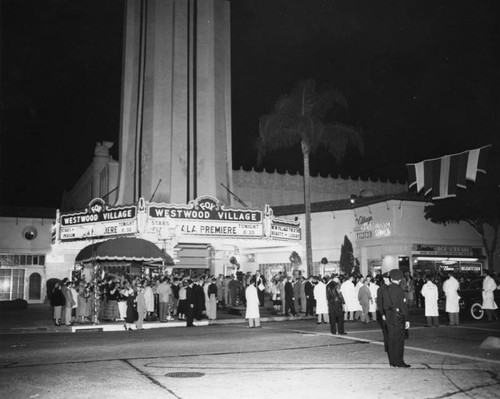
x: 289, y: 357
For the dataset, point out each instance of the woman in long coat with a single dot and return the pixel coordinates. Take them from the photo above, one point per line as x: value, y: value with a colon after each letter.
x: 149, y: 297
x: 252, y: 312
x: 131, y: 309
x: 141, y: 306
x: 321, y: 302
x: 365, y: 298
x: 83, y: 310
x: 489, y: 305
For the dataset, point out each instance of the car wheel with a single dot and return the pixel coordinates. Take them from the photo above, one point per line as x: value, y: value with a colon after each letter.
x: 476, y: 311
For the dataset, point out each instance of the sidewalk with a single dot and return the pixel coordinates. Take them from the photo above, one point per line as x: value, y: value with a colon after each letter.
x: 37, y: 318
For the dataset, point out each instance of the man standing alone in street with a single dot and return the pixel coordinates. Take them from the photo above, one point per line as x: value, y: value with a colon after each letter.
x: 380, y: 307
x: 189, y: 304
x: 450, y: 288
x: 395, y: 313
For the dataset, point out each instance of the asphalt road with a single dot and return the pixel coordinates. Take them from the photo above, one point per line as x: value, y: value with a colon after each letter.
x: 293, y: 359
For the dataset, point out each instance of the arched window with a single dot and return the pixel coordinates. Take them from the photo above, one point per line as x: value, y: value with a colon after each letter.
x: 35, y: 286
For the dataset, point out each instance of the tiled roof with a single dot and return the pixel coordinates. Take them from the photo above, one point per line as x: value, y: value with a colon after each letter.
x: 343, y: 204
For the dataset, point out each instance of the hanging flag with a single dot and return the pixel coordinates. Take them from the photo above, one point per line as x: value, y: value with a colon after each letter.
x: 441, y: 177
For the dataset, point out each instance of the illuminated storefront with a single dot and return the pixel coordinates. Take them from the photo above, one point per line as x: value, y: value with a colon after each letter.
x: 443, y: 258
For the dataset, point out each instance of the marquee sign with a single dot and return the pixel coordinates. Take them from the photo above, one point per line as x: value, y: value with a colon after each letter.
x: 280, y: 228
x: 206, y: 216
x: 98, y: 220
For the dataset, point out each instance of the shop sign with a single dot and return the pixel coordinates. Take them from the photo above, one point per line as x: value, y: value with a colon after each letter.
x: 282, y: 231
x: 98, y: 220
x: 280, y: 228
x: 206, y: 216
x: 443, y: 250
x: 470, y: 267
x: 367, y: 228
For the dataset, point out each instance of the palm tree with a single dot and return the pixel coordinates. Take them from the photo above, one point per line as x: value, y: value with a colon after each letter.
x: 300, y: 117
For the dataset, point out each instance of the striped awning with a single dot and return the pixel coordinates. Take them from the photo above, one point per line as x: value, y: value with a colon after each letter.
x: 124, y: 249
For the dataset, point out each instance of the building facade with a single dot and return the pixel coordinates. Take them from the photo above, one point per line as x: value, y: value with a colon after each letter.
x: 389, y: 232
x: 25, y: 244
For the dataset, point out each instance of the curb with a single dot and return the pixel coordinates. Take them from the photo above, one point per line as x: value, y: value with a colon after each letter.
x: 119, y: 326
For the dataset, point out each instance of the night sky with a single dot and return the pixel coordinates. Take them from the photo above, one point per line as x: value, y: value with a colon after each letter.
x: 422, y: 79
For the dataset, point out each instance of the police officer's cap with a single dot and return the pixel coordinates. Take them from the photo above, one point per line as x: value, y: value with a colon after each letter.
x: 396, y: 274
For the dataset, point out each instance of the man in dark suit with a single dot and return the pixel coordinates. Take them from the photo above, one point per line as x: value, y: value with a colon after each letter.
x: 335, y: 306
x: 395, y: 313
x: 260, y: 283
x: 189, y: 304
x: 199, y: 299
x: 289, y: 298
x: 419, y: 299
x: 309, y: 291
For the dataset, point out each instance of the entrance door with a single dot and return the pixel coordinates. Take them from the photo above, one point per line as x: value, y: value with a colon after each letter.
x: 35, y: 287
x: 195, y: 257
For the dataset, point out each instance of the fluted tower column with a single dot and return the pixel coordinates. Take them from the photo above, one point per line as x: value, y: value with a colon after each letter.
x: 175, y: 138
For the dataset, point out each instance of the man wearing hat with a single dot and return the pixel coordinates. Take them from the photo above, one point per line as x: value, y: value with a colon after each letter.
x: 383, y: 325
x: 394, y: 311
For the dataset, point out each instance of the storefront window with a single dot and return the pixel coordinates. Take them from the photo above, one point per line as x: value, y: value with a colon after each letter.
x: 424, y: 266
x: 11, y: 284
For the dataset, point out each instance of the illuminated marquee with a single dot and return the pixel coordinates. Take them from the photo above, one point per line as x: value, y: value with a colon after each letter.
x: 206, y: 216
x: 367, y: 228
x: 98, y: 220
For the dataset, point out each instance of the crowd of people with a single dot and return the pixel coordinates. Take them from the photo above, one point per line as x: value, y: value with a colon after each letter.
x: 133, y: 299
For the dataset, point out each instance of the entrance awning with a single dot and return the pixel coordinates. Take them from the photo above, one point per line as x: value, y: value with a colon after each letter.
x: 124, y: 249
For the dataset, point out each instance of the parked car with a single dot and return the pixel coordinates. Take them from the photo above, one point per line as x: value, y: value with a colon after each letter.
x: 471, y: 299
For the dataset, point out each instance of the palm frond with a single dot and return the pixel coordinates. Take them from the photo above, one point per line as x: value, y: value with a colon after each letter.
x: 326, y: 101
x: 300, y: 116
x: 337, y: 137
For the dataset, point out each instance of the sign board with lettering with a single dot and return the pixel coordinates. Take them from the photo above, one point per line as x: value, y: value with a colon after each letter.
x: 471, y: 267
x: 205, y: 216
x: 367, y: 228
x: 446, y: 250
x: 280, y: 228
x: 98, y: 220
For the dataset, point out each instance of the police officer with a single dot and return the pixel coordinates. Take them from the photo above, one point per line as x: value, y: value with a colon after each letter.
x: 395, y: 313
x: 383, y: 325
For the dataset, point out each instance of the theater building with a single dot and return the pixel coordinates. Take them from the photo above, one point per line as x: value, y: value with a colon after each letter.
x: 174, y: 186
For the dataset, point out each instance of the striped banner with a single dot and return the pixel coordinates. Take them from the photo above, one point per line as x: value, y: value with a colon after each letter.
x: 441, y: 177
